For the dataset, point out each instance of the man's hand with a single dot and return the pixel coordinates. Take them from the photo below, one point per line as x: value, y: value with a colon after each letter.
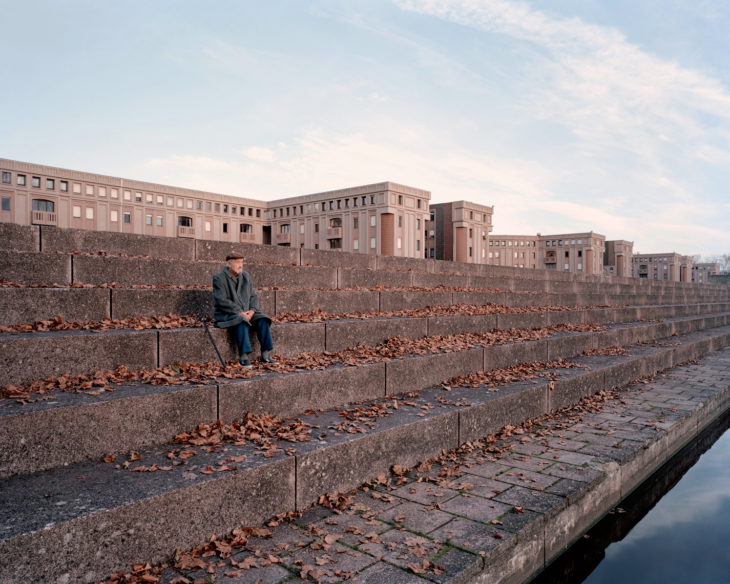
x: 248, y: 315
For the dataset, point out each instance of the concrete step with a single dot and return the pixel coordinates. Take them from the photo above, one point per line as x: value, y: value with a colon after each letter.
x: 62, y: 427
x: 22, y: 304
x: 80, y: 522
x: 62, y: 268
x: 37, y: 355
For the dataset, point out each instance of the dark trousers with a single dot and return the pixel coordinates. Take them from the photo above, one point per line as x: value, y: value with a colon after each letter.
x: 263, y: 333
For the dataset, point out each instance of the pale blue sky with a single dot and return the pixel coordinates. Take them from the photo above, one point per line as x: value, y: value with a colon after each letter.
x: 566, y: 115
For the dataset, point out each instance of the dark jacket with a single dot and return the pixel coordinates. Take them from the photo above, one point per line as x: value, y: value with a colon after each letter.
x: 232, y: 295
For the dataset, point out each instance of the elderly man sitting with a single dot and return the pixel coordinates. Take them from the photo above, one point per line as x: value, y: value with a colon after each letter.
x: 236, y: 304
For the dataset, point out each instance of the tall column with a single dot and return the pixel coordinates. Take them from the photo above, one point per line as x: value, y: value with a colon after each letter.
x: 589, y: 261
x: 620, y: 266
x: 671, y: 273
x: 387, y: 233
x: 460, y: 245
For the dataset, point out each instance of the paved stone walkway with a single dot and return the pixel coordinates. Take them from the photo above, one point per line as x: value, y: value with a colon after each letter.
x: 446, y: 520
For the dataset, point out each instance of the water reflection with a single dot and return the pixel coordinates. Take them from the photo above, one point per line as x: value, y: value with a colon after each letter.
x: 674, y: 529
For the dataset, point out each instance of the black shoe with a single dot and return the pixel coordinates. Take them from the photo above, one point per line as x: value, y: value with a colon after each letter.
x: 244, y: 361
x: 266, y: 359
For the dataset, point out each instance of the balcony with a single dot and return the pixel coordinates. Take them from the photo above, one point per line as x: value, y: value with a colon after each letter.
x: 185, y: 231
x: 43, y: 218
x: 334, y: 233
x: 551, y: 258
x: 282, y: 238
x: 247, y: 237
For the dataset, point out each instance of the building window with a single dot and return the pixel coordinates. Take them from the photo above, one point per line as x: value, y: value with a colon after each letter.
x: 63, y: 186
x: 316, y: 227
x: 138, y: 197
x: 127, y: 195
x: 76, y: 212
x: 43, y: 205
x: 185, y: 221
x: 89, y: 189
x: 217, y: 207
x: 418, y: 224
x: 418, y: 203
x: 159, y: 221
x: 580, y: 266
x: 356, y: 243
x: 432, y: 253
x: 301, y: 229
x: 189, y: 204
x: 148, y: 219
x: 180, y: 203
x: 400, y: 243
x: 355, y: 223
x: 400, y: 220
x: 285, y: 228
x: 114, y: 216
x: 580, y: 253
x: 170, y: 202
x: 127, y: 217
x: 567, y: 254
x: 372, y: 199
x: 6, y: 177
x: 258, y: 212
x: 470, y: 251
x: 208, y: 206
x: 372, y: 221
x: 567, y: 266
x: 6, y: 203
x: 50, y: 184
x: 89, y: 212
x: 36, y: 182
x: 207, y: 225
x: 20, y: 179
x: 400, y: 199
x: 364, y: 201
x: 372, y: 243
x: 225, y: 228
x: 102, y: 191
x: 148, y: 198
x: 418, y: 245
x: 115, y: 193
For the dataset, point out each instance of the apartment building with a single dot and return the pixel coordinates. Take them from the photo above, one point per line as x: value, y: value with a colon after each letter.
x: 701, y: 272
x: 458, y: 231
x: 515, y: 251
x: 662, y: 266
x: 617, y: 258
x: 383, y: 218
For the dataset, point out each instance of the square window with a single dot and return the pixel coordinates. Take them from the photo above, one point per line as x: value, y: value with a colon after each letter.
x: 180, y: 203
x: 50, y: 183
x: 115, y: 193
x: 160, y: 199
x: 189, y: 204
x: 102, y: 191
x: 63, y: 186
x: 138, y: 197
x: 208, y: 206
x: 6, y: 203
x: 170, y: 201
x: 127, y: 217
x: 89, y: 212
x: 127, y: 195
x: 149, y: 198
x: 89, y: 189
x: 76, y: 212
x: 20, y: 179
x: 6, y: 177
x: 36, y: 182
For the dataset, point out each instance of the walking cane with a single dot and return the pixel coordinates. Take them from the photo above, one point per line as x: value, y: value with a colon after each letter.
x: 217, y: 352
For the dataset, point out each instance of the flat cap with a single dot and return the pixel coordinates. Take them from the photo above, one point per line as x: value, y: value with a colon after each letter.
x: 234, y: 256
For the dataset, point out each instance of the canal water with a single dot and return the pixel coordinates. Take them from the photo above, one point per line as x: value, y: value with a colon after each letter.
x: 674, y: 529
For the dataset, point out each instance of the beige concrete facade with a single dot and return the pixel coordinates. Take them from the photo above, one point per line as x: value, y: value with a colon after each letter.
x: 458, y: 231
x: 517, y: 251
x: 617, y: 258
x: 672, y: 267
x: 701, y: 272
x: 383, y: 218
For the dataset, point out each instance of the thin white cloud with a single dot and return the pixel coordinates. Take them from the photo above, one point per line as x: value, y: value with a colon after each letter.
x: 260, y: 154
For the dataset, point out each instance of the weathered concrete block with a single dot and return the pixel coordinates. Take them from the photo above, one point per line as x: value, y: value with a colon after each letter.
x: 19, y: 237
x: 430, y: 280
x: 569, y: 345
x: 510, y: 405
x: 387, y: 263
x: 329, y: 301
x: 553, y: 317
x: 347, y: 465
x: 351, y: 278
x: 20, y: 305
x: 569, y: 390
x: 342, y: 334
x: 499, y: 356
x: 414, y: 373
x: 409, y: 300
x: 67, y: 240
x: 22, y: 267
x: 216, y: 251
x: 56, y: 435
x: 35, y: 356
x: 524, y: 320
x: 153, y: 302
x: 268, y: 275
x: 623, y: 373
x: 336, y: 259
x: 292, y: 394
x: 183, y: 517
x: 454, y: 325
x: 483, y: 298
x: 129, y: 271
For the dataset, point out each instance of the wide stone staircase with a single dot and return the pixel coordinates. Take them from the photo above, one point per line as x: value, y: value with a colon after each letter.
x: 123, y: 440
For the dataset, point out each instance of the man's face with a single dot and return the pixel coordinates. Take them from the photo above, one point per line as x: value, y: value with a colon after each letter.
x: 236, y: 266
